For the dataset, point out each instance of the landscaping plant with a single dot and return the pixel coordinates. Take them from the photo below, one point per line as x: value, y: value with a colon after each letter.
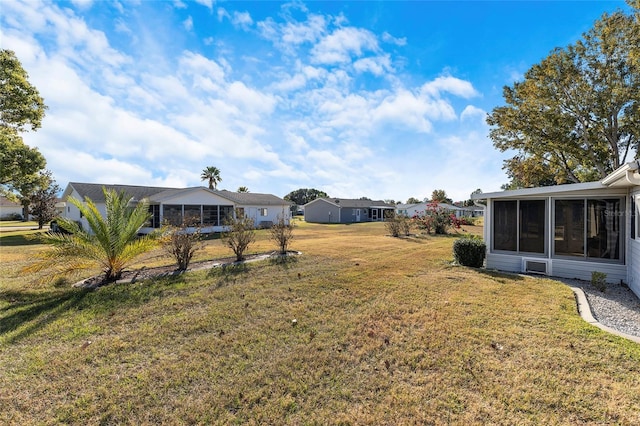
x: 282, y: 234
x: 469, y: 251
x: 181, y: 242
x: 110, y: 243
x: 240, y: 233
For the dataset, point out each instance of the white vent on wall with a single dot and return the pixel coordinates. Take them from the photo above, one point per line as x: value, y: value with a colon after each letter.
x: 535, y: 266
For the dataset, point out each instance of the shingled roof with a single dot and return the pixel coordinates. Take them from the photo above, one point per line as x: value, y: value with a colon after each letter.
x: 94, y: 192
x: 359, y: 204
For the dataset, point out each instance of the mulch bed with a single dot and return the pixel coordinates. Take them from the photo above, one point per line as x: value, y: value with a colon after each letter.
x: 145, y: 273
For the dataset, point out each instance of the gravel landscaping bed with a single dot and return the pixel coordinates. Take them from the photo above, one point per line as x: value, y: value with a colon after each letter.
x: 618, y: 307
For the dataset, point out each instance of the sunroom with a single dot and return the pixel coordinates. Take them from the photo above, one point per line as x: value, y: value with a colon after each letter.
x: 568, y: 231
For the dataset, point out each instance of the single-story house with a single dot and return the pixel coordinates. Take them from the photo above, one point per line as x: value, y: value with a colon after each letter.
x: 568, y: 230
x: 411, y: 210
x: 343, y: 210
x: 9, y: 209
x: 207, y: 207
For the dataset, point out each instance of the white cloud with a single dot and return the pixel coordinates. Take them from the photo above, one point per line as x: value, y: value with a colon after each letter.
x: 341, y: 45
x: 242, y: 20
x: 188, y: 23
x: 379, y: 65
x: 447, y: 84
x: 206, y: 3
x: 388, y: 38
x: 471, y: 112
x: 82, y: 4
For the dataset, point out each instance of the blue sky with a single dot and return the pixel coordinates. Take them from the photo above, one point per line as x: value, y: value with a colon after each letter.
x: 379, y: 99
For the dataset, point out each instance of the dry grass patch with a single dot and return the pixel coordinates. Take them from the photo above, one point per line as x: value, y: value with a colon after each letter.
x: 386, y: 332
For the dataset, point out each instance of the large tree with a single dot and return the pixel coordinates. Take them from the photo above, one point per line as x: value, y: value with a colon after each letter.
x: 21, y: 109
x: 303, y: 196
x: 42, y: 199
x: 576, y: 115
x: 440, y: 196
x: 212, y: 175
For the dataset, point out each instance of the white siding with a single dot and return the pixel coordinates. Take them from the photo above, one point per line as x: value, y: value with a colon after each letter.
x: 582, y: 270
x: 633, y: 279
x: 504, y: 262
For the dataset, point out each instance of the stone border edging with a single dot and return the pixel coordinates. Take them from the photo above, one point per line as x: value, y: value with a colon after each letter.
x: 585, y: 312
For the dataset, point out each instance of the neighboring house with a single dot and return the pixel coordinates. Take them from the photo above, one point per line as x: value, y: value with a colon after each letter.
x: 419, y: 209
x: 569, y: 230
x: 343, y: 210
x: 207, y: 207
x: 9, y: 209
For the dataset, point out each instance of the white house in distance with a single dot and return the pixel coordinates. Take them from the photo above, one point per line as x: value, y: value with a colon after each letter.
x: 9, y: 209
x: 569, y: 230
x: 411, y: 210
x: 208, y: 207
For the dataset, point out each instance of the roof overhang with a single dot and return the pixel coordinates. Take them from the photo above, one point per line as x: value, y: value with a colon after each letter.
x: 624, y: 176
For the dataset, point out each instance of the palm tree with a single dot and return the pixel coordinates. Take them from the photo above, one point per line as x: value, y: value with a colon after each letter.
x: 243, y: 189
x: 212, y: 174
x: 111, y: 242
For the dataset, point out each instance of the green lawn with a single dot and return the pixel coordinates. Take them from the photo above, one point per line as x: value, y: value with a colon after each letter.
x: 387, y: 331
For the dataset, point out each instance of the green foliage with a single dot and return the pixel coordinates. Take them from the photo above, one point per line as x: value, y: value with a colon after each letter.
x: 239, y: 235
x: 21, y: 106
x: 576, y: 115
x: 243, y: 189
x: 282, y: 234
x: 21, y: 109
x: 413, y: 200
x: 212, y: 175
x: 111, y: 242
x: 398, y: 225
x: 182, y: 242
x: 440, y: 196
x: 303, y: 196
x: 469, y: 252
x: 42, y: 199
x: 599, y: 280
x: 434, y: 219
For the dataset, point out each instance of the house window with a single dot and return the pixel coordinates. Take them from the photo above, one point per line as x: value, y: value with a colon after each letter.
x: 589, y: 228
x: 154, y: 220
x: 226, y: 213
x: 263, y: 211
x: 210, y: 215
x: 172, y: 214
x: 505, y: 225
x: 634, y: 218
x: 532, y: 220
x: 192, y: 215
x: 569, y: 227
x: 519, y: 225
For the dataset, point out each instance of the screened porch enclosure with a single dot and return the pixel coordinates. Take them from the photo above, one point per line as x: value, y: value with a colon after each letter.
x: 189, y: 214
x: 583, y: 228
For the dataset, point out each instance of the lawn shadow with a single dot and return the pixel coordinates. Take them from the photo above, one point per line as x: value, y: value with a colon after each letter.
x: 285, y: 261
x: 227, y: 273
x: 18, y: 240
x: 32, y: 312
x: 500, y: 275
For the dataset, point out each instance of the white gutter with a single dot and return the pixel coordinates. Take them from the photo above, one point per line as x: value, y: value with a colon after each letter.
x: 627, y: 172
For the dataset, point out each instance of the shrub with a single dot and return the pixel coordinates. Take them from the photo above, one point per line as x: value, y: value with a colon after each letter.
x: 469, y: 252
x: 435, y: 218
x: 599, y: 280
x: 398, y: 225
x: 182, y: 243
x: 282, y: 234
x: 239, y: 235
